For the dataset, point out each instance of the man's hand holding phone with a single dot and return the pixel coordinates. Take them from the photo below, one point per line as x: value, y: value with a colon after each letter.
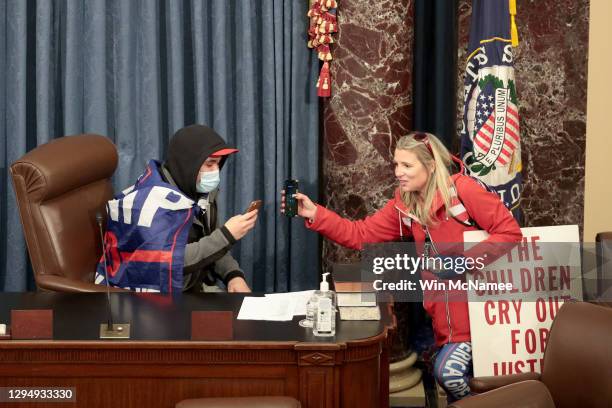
x: 240, y: 225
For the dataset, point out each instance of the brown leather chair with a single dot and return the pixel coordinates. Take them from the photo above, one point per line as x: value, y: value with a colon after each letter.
x: 60, y: 186
x: 246, y: 402
x: 577, y: 369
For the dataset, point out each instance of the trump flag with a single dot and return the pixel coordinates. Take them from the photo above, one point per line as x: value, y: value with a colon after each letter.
x: 490, y: 134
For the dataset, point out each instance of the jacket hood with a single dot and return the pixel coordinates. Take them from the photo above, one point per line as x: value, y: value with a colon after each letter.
x: 187, y: 150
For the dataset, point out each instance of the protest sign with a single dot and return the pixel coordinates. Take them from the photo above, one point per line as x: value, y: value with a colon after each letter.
x: 509, y: 328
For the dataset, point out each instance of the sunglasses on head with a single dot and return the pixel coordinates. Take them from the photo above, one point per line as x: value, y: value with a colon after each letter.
x: 422, y: 137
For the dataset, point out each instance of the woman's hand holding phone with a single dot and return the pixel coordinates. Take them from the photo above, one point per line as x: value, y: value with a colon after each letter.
x: 306, y: 208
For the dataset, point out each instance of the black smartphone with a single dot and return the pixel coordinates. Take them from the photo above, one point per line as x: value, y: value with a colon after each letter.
x: 291, y: 207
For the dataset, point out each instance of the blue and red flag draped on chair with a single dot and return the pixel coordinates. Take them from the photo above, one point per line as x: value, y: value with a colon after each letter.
x: 490, y: 135
x: 147, y: 230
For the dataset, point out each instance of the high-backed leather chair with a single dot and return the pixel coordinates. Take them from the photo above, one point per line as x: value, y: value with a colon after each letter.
x: 60, y: 186
x: 577, y: 369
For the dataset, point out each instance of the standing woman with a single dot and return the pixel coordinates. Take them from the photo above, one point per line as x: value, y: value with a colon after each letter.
x: 436, y: 209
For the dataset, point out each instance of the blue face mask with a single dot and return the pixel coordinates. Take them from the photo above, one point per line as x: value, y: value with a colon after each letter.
x: 207, y: 181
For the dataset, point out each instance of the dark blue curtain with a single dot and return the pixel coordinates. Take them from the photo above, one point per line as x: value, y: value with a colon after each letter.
x: 136, y: 71
x: 435, y: 69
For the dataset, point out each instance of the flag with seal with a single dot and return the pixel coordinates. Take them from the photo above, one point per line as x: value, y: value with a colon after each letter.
x: 490, y: 134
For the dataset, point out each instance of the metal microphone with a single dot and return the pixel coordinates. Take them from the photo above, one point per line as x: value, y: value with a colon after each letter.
x: 100, y: 220
x: 110, y: 330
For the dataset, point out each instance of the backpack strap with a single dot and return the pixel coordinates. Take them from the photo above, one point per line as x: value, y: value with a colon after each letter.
x: 458, y: 211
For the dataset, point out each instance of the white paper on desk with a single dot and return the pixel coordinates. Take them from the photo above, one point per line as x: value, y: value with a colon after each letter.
x: 301, y: 299
x: 266, y: 308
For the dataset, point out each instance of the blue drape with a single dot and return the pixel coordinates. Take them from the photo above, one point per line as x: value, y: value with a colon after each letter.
x: 435, y: 69
x: 136, y: 71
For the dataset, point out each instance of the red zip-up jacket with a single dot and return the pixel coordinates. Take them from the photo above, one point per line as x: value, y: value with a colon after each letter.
x: 451, y: 322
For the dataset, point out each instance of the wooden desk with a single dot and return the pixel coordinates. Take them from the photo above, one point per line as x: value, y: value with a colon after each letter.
x: 159, y: 366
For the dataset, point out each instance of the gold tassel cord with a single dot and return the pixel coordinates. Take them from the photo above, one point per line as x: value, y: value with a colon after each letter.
x: 513, y: 29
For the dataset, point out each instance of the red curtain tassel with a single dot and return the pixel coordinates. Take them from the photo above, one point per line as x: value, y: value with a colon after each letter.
x: 324, y: 83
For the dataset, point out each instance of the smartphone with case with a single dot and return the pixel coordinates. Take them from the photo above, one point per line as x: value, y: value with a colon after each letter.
x: 255, y: 205
x: 291, y: 206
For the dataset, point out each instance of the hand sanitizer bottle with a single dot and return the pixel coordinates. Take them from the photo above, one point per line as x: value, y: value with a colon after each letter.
x: 325, y: 315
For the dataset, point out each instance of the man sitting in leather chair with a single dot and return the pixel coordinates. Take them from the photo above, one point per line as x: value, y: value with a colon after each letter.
x: 162, y: 232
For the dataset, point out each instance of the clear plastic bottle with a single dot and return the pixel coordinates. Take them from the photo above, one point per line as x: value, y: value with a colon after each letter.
x: 311, y: 309
x: 325, y: 314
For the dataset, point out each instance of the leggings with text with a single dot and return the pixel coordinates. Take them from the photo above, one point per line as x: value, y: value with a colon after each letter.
x: 453, y: 369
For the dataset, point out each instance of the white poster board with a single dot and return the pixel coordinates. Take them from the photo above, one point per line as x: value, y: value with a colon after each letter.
x: 509, y: 330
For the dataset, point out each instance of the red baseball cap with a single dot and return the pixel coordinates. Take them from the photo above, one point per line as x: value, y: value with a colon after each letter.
x: 224, y: 152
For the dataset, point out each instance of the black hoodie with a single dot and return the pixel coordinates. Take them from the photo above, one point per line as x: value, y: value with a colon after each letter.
x: 187, y: 150
x: 207, y: 252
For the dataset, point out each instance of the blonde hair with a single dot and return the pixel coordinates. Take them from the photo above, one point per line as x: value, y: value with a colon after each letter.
x: 439, y: 180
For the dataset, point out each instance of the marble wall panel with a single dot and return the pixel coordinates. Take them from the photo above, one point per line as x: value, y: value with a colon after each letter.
x: 370, y: 108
